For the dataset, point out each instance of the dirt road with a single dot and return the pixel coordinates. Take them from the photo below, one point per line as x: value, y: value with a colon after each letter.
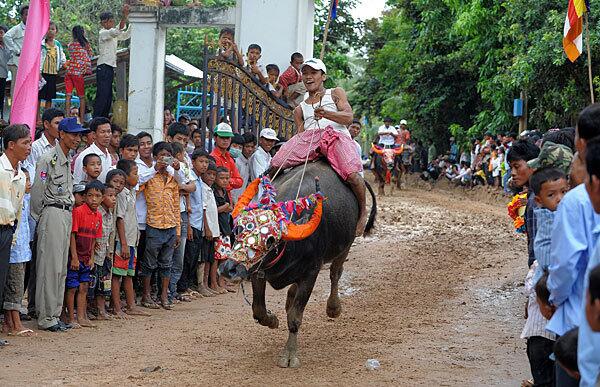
x: 434, y: 295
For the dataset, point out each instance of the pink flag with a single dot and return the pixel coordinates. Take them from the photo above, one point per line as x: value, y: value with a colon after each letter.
x: 25, y: 98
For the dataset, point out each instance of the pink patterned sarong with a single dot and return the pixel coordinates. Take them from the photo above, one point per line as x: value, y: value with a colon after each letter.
x: 338, y: 148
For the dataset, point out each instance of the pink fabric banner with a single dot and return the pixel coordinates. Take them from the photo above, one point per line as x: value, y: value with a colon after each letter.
x: 25, y: 100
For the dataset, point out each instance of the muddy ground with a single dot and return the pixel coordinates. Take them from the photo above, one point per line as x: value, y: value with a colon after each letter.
x: 434, y: 295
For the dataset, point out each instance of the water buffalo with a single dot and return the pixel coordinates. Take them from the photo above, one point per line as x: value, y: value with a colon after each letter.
x: 297, y: 261
x: 386, y: 161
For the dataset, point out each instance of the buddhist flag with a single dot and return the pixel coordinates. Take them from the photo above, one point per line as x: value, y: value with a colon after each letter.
x: 334, y: 5
x: 573, y: 32
x: 25, y: 100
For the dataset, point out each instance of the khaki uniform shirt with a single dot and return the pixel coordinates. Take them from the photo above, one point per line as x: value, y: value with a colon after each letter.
x: 53, y: 182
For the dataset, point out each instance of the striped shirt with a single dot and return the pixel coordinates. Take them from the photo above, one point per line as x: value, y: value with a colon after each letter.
x: 12, y: 191
x: 536, y: 323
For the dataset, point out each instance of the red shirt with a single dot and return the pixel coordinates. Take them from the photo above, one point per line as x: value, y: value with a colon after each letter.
x: 87, y: 226
x: 225, y: 160
x: 290, y: 77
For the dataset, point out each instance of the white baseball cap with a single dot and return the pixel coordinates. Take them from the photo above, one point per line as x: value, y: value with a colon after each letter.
x: 269, y: 134
x: 224, y: 130
x: 403, y: 122
x: 316, y: 64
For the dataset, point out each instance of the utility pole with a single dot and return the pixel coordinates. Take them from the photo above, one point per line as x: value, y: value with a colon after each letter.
x: 523, y: 118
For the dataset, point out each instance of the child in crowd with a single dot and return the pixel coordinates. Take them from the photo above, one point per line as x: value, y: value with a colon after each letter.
x: 78, y: 66
x: 224, y: 209
x: 129, y: 147
x: 20, y: 254
x: 103, y: 254
x: 116, y: 132
x: 211, y: 229
x: 124, y: 263
x: 92, y: 167
x: 193, y: 247
x: 179, y: 154
x: 565, y: 351
x: 79, y: 197
x: 273, y: 77
x: 53, y: 60
x: 548, y: 185
x: 592, y: 304
x: 253, y: 63
x: 163, y: 224
x: 86, y: 229
x: 228, y: 50
x: 197, y: 139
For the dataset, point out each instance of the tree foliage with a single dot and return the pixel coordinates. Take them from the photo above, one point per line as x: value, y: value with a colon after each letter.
x: 459, y: 64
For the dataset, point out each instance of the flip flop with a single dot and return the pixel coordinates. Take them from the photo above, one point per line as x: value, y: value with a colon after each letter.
x: 166, y: 306
x: 150, y: 305
x: 23, y: 333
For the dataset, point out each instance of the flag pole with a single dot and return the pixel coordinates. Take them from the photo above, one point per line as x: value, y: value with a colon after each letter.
x: 589, y: 55
x: 326, y: 32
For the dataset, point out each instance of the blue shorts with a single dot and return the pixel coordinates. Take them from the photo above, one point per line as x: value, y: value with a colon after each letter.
x: 75, y: 277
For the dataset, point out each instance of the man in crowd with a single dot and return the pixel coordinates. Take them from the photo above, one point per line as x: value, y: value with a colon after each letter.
x: 260, y: 160
x: 14, y: 42
x: 47, y: 141
x: 51, y: 206
x: 109, y: 38
x: 223, y: 135
x: 245, y: 148
x: 17, y: 146
x: 387, y: 133
x: 574, y: 236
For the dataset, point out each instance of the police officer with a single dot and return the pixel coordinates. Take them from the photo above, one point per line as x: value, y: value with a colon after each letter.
x: 51, y: 206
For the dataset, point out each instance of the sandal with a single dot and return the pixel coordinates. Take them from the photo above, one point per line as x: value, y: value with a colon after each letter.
x: 166, y: 306
x: 150, y: 305
x: 23, y: 333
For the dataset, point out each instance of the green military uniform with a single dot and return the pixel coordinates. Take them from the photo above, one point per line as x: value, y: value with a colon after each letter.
x: 554, y: 156
x: 51, y: 206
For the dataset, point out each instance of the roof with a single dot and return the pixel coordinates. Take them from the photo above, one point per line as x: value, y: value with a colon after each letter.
x: 182, y: 67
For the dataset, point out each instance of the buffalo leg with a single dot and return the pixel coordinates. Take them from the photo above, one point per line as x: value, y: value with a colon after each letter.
x: 334, y: 306
x: 291, y: 295
x: 259, y: 306
x: 289, y: 357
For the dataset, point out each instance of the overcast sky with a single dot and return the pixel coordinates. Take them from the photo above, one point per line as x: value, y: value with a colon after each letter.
x: 366, y: 9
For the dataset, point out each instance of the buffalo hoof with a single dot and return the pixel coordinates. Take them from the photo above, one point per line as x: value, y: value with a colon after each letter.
x: 334, y: 308
x: 288, y: 360
x: 270, y: 320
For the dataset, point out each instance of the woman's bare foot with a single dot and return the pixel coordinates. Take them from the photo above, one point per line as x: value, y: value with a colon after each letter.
x: 205, y: 292
x: 104, y: 316
x: 135, y: 311
x: 84, y: 322
x: 119, y: 314
x: 218, y: 290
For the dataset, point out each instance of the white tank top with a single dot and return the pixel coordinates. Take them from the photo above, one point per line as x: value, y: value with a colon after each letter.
x: 308, y: 113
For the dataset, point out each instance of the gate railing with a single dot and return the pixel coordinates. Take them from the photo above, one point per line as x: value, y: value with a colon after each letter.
x: 231, y: 93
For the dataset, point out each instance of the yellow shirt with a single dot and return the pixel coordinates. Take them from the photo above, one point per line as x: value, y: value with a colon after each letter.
x: 162, y: 199
x: 51, y: 60
x: 12, y: 191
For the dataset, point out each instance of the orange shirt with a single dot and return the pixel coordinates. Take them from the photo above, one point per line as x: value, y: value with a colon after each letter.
x: 225, y: 160
x: 162, y: 199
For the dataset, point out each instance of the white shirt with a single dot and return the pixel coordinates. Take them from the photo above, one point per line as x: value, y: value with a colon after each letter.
x: 359, y: 151
x: 328, y: 104
x: 79, y: 175
x: 12, y: 192
x: 210, y: 205
x: 13, y: 40
x: 387, y: 135
x: 259, y: 163
x: 536, y: 323
x: 38, y: 148
x: 243, y: 166
x: 107, y: 44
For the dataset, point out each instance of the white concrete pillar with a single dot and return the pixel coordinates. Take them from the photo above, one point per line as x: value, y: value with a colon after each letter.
x: 280, y: 27
x: 146, y: 73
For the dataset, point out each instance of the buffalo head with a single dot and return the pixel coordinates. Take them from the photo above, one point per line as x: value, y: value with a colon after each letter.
x: 388, y: 155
